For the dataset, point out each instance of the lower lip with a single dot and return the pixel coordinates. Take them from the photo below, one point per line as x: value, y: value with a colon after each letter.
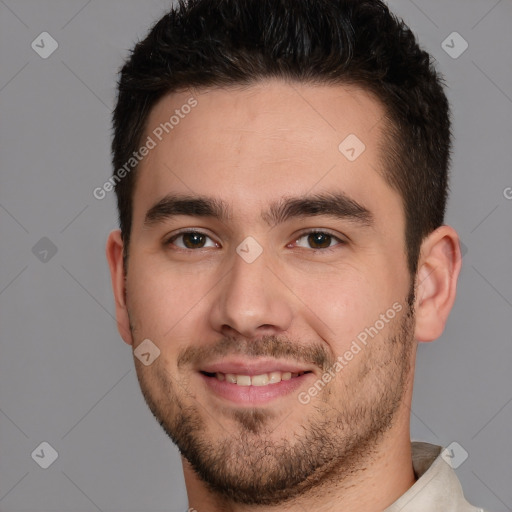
x: 254, y: 395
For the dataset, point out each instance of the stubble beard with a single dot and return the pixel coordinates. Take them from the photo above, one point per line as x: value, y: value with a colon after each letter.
x: 338, y: 437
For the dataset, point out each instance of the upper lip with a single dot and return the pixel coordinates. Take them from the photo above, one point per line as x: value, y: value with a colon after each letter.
x: 254, y: 367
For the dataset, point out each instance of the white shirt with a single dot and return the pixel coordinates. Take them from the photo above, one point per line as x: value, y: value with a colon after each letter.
x: 437, y: 489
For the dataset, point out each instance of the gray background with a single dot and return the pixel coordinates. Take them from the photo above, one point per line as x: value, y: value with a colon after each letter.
x: 65, y: 375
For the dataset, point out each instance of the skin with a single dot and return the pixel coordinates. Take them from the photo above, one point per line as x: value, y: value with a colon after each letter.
x: 250, y: 147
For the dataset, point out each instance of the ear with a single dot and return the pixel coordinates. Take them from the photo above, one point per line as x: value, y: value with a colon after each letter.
x: 114, y: 251
x: 436, y: 282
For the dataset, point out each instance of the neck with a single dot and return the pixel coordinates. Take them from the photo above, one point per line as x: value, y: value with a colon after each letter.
x: 381, y: 480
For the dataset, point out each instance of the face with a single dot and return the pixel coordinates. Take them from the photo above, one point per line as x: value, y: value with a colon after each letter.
x: 269, y: 268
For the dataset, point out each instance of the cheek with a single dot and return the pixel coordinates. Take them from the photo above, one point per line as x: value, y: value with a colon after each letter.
x: 340, y: 306
x: 162, y: 302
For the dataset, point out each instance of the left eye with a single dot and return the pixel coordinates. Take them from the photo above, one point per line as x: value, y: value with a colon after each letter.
x: 192, y: 240
x: 317, y: 240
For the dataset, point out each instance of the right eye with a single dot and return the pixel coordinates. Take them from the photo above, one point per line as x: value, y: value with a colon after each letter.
x: 191, y: 240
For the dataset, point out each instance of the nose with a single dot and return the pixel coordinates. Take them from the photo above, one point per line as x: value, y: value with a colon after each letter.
x: 251, y: 301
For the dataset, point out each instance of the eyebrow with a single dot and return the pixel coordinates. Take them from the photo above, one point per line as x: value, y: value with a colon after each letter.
x: 337, y: 205
x: 173, y: 205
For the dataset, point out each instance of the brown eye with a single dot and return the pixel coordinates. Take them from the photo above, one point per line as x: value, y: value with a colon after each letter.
x: 319, y: 240
x: 192, y: 240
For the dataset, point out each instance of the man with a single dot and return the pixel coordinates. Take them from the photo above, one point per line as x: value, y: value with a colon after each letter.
x: 281, y: 175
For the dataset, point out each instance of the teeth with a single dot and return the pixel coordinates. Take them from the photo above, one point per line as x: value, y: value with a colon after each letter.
x: 257, y: 380
x: 243, y: 380
x: 274, y: 377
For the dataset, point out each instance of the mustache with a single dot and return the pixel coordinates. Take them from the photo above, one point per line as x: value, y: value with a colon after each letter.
x: 277, y: 347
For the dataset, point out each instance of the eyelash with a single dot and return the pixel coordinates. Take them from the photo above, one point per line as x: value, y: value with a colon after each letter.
x: 339, y: 241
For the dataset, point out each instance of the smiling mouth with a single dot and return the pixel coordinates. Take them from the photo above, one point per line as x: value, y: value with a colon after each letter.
x: 265, y: 379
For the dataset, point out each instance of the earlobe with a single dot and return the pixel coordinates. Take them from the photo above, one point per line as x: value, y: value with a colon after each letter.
x: 114, y: 253
x: 436, y: 283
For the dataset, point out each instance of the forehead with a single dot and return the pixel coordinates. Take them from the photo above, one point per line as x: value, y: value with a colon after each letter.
x: 251, y: 145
